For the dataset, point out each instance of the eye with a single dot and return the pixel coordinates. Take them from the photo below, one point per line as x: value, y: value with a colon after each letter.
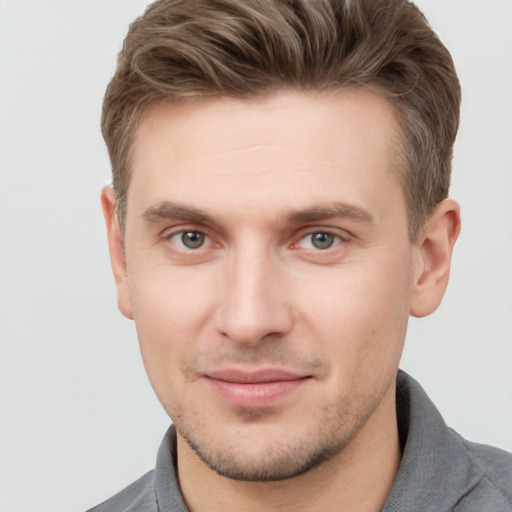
x: 189, y: 239
x: 319, y: 240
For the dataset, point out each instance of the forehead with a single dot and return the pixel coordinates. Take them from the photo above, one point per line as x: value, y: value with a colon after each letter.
x: 284, y: 149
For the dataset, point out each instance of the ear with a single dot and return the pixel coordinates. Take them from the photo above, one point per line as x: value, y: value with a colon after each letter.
x: 117, y: 253
x: 435, y: 246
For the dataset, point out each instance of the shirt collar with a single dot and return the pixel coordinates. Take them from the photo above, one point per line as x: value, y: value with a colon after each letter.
x: 433, y: 473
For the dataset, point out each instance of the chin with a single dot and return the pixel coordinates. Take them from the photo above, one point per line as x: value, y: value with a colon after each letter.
x: 268, y: 462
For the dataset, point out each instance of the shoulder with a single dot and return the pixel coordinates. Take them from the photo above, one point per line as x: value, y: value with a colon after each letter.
x: 138, y: 496
x: 490, y: 474
x: 440, y: 470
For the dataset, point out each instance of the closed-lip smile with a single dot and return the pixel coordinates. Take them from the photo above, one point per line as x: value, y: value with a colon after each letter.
x: 259, y: 388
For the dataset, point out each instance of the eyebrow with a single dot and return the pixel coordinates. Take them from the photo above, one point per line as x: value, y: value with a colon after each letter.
x: 329, y: 211
x: 170, y: 210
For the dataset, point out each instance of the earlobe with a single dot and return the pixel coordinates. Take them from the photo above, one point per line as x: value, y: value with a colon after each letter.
x: 117, y: 252
x: 435, y: 245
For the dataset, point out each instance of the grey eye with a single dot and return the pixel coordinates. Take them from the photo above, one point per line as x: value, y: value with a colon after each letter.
x: 192, y: 239
x: 322, y: 240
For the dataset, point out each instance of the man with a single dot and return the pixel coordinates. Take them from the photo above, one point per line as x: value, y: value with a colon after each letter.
x: 279, y: 208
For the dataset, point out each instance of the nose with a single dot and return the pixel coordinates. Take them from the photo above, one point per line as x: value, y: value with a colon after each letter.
x: 254, y: 305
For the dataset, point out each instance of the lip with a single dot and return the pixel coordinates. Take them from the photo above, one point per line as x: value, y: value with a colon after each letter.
x: 257, y: 389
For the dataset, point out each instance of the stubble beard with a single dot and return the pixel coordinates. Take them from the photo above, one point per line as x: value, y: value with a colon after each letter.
x: 279, y: 460
x: 282, y: 455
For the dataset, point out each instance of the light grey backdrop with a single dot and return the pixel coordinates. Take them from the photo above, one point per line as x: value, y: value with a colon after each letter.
x: 78, y: 418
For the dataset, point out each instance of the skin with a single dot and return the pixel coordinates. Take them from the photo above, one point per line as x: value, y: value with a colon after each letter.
x: 274, y: 355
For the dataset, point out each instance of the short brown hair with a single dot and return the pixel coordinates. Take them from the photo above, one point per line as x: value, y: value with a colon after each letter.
x: 244, y: 48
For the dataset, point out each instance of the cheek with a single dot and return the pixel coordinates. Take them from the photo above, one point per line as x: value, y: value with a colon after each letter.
x: 352, y: 293
x: 165, y: 296
x: 171, y: 313
x: 361, y: 312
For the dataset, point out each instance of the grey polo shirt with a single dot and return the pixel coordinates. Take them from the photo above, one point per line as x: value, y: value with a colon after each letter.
x: 440, y: 471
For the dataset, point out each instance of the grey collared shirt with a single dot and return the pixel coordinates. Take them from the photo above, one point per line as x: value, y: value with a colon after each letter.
x: 440, y: 471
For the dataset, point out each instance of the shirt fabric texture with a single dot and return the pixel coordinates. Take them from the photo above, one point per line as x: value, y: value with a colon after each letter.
x: 439, y: 472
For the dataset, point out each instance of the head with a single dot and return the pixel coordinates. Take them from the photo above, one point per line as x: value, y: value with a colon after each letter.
x: 179, y: 50
x: 278, y: 211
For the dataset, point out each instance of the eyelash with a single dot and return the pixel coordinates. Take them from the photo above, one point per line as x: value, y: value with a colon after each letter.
x: 333, y: 238
x: 336, y: 240
x: 169, y: 237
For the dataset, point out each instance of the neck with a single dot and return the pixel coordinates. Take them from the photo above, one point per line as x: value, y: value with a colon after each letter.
x: 357, y: 479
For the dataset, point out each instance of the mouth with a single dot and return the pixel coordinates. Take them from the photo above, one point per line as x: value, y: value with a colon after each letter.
x: 258, y: 389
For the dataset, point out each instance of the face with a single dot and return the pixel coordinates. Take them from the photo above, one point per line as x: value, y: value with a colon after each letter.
x: 269, y: 273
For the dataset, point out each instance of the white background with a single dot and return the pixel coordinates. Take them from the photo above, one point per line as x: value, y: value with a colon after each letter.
x: 78, y: 418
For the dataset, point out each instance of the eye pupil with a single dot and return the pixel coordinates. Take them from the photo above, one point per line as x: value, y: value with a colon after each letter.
x: 322, y: 240
x: 192, y: 239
